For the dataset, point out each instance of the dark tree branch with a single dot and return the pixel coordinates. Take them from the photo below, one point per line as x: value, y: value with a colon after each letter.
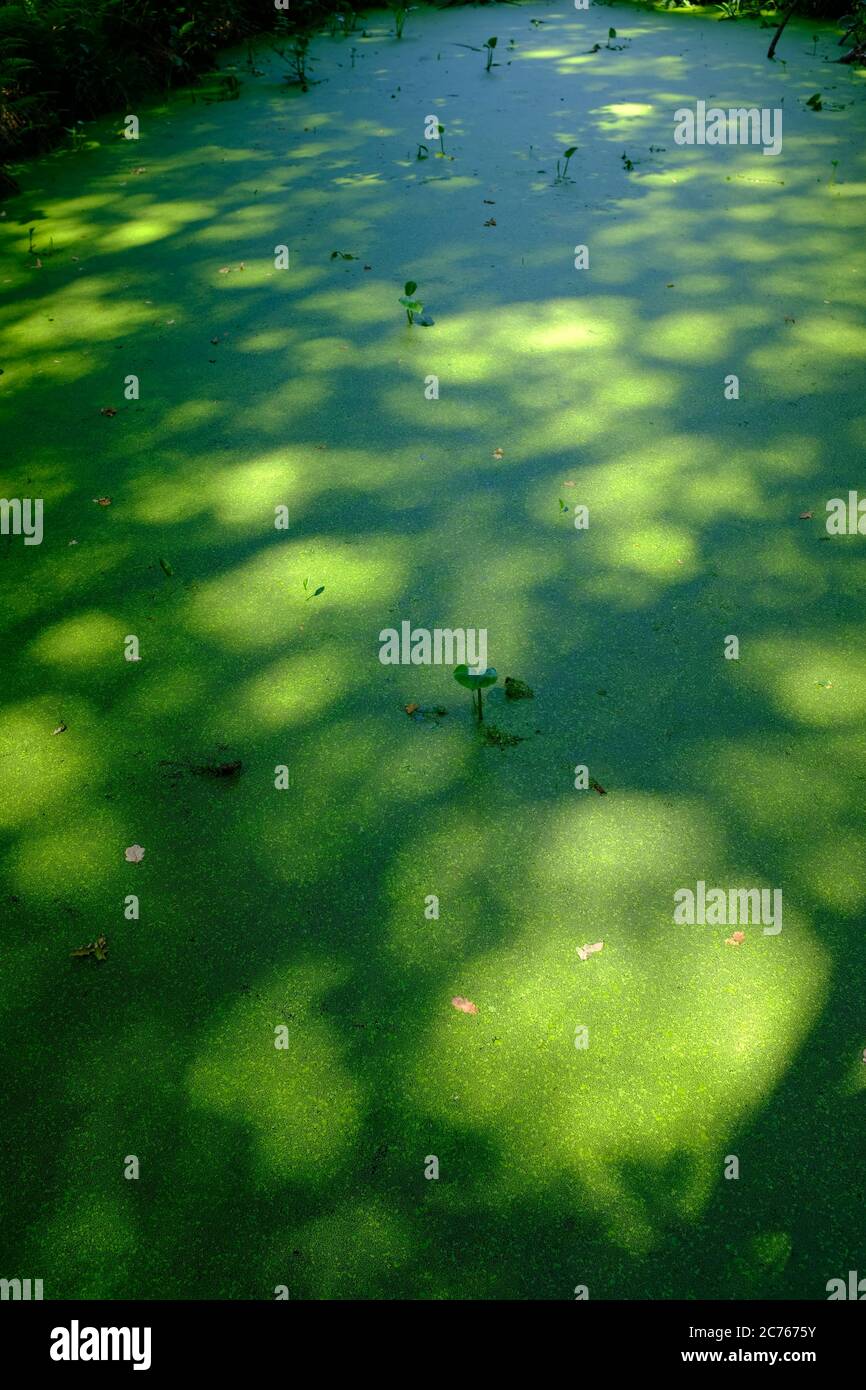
x: 778, y: 34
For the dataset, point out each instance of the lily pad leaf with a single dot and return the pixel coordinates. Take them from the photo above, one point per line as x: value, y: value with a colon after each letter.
x: 475, y: 680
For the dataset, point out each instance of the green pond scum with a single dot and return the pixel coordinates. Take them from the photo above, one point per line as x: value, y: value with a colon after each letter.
x: 239, y: 888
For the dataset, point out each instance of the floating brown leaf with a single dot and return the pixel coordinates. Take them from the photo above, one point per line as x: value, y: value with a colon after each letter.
x: 97, y: 948
x: 410, y: 709
x: 735, y: 939
x: 108, y: 410
x: 103, y: 501
x: 585, y: 951
x: 498, y: 454
x: 61, y: 729
x: 134, y: 854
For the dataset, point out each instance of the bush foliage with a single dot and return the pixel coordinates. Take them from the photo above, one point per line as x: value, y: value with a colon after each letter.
x: 65, y: 61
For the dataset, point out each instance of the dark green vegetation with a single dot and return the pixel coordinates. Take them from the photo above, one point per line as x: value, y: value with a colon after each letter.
x: 259, y: 648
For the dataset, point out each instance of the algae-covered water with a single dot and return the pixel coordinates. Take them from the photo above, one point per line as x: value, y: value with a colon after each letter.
x: 309, y: 908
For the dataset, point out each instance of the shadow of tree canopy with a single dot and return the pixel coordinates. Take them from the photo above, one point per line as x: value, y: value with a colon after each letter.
x: 305, y: 388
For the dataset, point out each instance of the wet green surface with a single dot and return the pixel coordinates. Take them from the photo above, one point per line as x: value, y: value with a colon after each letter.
x: 305, y: 907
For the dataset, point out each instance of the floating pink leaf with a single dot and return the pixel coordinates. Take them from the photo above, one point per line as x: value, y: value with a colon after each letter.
x: 465, y: 1006
x: 134, y: 854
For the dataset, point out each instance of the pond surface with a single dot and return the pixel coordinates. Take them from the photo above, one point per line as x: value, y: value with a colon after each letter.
x: 305, y: 388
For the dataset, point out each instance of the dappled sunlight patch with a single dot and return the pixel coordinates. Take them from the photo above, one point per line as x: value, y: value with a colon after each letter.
x: 365, y: 305
x: 631, y: 854
x: 254, y: 220
x: 776, y: 789
x: 70, y: 861
x: 90, y: 302
x: 266, y: 340
x: 529, y: 331
x: 295, y: 690
x: 325, y: 354
x: 522, y: 570
x: 244, y: 275
x: 87, y: 641
x: 246, y: 494
x: 638, y: 388
x: 686, y: 1038
x: 291, y: 401
x: 695, y: 335
x: 540, y: 54
x: 628, y: 118
x: 451, y: 413
x: 35, y: 769
x: 661, y: 552
x: 725, y: 487
x: 357, y: 1243
x: 833, y: 865
x: 447, y: 860
x: 454, y: 183
x: 88, y: 1242
x: 191, y: 415
x: 151, y: 222
x: 262, y: 601
x: 837, y: 336
x: 163, y: 500
x: 812, y: 682
x: 300, y: 1104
